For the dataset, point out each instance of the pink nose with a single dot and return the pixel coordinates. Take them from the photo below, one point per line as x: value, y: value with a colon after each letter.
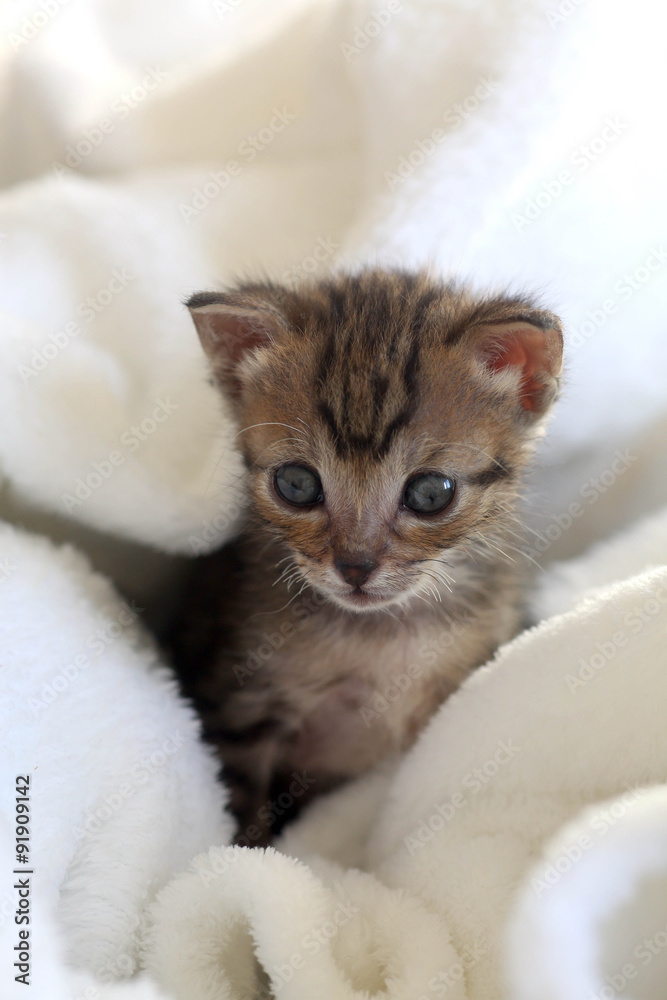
x: 355, y: 573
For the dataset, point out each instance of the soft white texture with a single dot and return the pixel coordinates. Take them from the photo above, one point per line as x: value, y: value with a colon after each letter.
x: 602, y: 930
x: 331, y: 936
x: 467, y: 911
x: 122, y: 792
x: 643, y: 546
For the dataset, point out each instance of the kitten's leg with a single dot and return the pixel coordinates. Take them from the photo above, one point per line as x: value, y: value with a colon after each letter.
x: 249, y: 758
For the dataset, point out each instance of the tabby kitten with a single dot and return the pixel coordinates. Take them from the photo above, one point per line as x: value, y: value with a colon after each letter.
x: 385, y: 419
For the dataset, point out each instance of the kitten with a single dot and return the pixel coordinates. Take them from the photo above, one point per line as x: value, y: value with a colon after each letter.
x: 385, y: 419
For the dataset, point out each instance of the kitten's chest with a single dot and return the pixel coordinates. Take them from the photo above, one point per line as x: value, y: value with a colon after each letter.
x: 349, y: 700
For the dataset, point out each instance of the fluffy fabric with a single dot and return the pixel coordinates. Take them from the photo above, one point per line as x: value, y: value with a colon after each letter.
x: 122, y: 792
x: 518, y: 849
x: 342, y: 936
x: 593, y: 919
x: 641, y: 547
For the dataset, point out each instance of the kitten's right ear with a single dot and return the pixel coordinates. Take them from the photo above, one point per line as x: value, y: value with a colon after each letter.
x: 230, y: 329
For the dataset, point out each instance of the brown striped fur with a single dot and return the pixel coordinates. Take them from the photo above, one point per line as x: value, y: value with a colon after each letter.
x: 368, y: 379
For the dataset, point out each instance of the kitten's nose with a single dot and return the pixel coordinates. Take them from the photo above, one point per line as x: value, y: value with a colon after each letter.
x: 355, y: 573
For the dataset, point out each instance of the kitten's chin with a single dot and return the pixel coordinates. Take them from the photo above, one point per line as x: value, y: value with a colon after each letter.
x: 361, y: 600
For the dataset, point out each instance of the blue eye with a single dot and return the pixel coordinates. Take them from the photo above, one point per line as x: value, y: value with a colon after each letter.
x: 298, y: 485
x: 429, y: 494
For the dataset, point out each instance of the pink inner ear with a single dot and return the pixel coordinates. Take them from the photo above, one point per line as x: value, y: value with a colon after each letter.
x: 525, y: 348
x: 240, y: 335
x: 229, y: 335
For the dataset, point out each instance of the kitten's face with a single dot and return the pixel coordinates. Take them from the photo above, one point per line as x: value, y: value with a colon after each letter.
x: 384, y: 423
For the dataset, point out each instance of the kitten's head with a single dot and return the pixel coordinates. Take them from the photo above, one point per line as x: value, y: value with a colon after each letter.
x: 385, y: 419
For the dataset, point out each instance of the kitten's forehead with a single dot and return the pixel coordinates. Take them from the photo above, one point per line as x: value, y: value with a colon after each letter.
x: 371, y: 364
x: 370, y: 341
x: 350, y: 431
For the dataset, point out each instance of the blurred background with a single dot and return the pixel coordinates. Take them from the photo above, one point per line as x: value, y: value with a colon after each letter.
x: 148, y: 150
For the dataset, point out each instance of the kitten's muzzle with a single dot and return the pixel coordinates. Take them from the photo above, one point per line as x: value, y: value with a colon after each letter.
x: 355, y: 573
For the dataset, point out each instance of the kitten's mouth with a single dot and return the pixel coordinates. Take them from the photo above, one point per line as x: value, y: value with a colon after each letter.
x: 361, y: 599
x: 358, y: 598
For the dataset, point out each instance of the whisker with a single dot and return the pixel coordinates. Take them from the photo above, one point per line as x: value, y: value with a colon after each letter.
x: 267, y: 423
x: 487, y: 541
x: 439, y: 568
x: 421, y: 597
x: 278, y: 610
x: 287, y: 574
x: 392, y: 615
x: 440, y: 575
x: 433, y: 576
x: 527, y: 556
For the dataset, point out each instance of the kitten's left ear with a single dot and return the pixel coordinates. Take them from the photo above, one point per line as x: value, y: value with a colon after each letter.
x: 531, y: 345
x: 231, y: 326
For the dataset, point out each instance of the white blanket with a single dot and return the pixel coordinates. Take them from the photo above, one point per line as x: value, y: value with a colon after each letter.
x: 518, y: 850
